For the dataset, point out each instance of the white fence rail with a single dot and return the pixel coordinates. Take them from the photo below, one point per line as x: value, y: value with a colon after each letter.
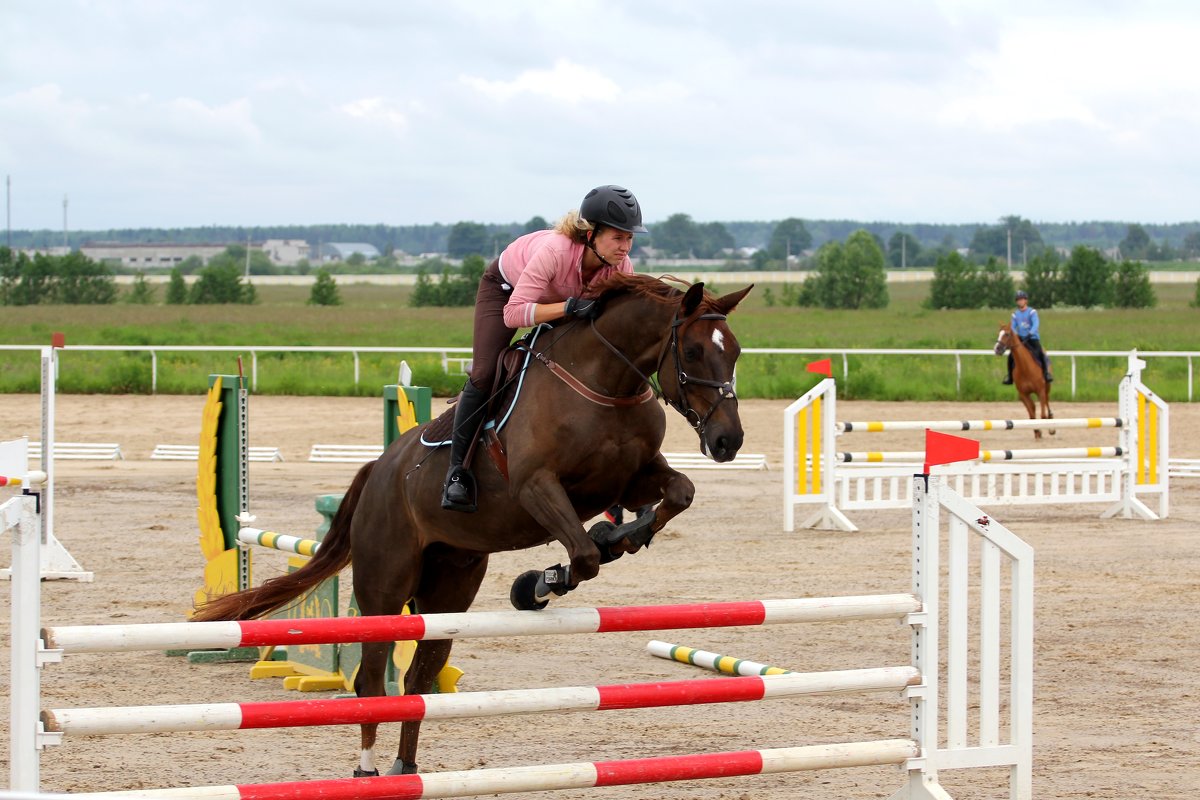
x: 191, y: 452
x: 453, y: 358
x: 79, y: 451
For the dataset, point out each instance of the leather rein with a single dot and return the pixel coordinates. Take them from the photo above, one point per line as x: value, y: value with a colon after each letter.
x: 725, y: 390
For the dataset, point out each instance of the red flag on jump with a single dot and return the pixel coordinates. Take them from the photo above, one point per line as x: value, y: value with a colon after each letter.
x: 823, y: 367
x: 942, y: 448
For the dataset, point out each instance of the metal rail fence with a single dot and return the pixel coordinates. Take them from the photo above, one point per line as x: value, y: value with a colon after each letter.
x: 455, y: 358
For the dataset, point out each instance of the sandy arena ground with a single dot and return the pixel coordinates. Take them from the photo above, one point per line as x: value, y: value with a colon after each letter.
x: 1116, y: 711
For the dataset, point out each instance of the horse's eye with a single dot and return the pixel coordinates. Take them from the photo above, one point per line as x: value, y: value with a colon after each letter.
x: 692, y: 353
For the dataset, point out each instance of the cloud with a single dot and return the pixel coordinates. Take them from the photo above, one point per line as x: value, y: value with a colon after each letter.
x: 566, y: 82
x: 1107, y: 74
x: 375, y: 109
x: 443, y: 110
x: 187, y: 117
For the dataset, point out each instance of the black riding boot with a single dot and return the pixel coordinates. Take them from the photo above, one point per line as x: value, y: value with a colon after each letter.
x: 458, y: 493
x: 1043, y: 361
x: 1046, y: 368
x: 1008, y: 378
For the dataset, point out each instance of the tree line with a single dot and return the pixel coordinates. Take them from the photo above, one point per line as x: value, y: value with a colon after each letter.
x: 678, y: 235
x: 75, y: 279
x: 853, y: 274
x: 841, y: 275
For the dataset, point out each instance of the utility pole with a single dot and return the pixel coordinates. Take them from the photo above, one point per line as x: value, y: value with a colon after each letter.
x: 1009, y: 262
x: 8, y: 208
x: 903, y: 251
x: 65, y: 245
x: 247, y: 256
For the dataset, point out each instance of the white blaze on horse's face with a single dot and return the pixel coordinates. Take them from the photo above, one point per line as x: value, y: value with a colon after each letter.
x: 719, y: 339
x: 1000, y: 345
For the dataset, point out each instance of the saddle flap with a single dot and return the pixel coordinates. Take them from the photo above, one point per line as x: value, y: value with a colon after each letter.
x: 509, y: 366
x: 439, y: 430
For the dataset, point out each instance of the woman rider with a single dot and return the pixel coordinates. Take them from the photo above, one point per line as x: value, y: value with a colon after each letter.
x: 540, y: 277
x: 1025, y: 325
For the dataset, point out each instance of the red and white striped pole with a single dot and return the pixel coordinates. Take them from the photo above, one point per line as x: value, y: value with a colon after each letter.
x: 472, y: 624
x: 583, y: 775
x: 404, y: 708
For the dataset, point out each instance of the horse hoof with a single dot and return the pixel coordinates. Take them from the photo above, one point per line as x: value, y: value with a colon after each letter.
x: 600, y: 534
x: 359, y: 773
x: 523, y: 594
x: 402, y: 767
x: 636, y: 535
x: 641, y: 531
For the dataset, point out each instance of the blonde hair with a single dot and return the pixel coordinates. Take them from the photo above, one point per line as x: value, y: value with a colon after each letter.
x: 574, y: 227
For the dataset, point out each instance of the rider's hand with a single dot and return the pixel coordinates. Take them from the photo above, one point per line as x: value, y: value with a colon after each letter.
x: 580, y: 308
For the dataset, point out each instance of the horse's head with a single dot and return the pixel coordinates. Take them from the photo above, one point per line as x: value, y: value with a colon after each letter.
x: 1004, y: 339
x: 695, y: 370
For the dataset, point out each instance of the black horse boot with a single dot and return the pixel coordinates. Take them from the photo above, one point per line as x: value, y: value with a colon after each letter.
x: 458, y: 493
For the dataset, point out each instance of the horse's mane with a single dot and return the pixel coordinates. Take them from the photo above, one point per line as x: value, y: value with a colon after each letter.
x: 659, y: 290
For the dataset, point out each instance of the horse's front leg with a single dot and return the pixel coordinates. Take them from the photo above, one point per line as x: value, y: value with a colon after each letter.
x: 1031, y: 409
x: 654, y: 482
x: 543, y: 496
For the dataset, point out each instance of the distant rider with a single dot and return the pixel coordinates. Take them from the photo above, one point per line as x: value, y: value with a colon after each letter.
x: 1025, y: 325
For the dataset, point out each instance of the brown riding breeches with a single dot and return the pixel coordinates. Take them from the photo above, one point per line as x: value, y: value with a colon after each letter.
x: 491, y: 335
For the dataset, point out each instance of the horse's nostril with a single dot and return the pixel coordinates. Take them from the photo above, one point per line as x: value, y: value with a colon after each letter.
x: 721, y: 449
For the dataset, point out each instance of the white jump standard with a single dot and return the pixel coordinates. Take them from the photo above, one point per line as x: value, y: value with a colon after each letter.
x: 830, y: 483
x: 57, y: 563
x: 1003, y: 659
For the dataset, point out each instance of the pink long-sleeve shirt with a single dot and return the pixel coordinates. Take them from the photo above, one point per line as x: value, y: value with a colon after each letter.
x: 545, y: 267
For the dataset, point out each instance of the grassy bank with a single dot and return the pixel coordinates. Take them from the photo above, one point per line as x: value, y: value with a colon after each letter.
x: 379, y: 316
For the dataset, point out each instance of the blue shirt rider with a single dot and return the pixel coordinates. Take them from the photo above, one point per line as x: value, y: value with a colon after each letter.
x: 1025, y: 325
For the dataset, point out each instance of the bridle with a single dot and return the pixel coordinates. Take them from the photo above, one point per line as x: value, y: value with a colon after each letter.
x: 725, y: 390
x: 1004, y: 341
x: 672, y: 344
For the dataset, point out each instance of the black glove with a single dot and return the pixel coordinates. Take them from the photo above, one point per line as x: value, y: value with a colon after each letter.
x: 580, y: 308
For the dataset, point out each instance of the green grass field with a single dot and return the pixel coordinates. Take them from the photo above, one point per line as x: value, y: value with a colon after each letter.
x: 379, y: 316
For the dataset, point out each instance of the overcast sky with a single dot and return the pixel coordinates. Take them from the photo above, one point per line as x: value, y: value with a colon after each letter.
x: 173, y: 114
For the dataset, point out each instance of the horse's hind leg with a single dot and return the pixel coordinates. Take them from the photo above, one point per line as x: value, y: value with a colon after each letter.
x: 449, y: 581
x: 1046, y: 412
x: 369, y: 682
x: 382, y: 586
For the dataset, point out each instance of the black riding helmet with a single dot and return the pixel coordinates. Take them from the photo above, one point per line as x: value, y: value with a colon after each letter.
x: 614, y: 206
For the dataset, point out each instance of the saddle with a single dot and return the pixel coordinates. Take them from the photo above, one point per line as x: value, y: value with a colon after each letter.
x: 510, y: 376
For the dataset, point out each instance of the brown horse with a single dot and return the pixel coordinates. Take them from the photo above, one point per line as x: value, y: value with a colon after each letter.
x: 1027, y: 375
x: 584, y: 435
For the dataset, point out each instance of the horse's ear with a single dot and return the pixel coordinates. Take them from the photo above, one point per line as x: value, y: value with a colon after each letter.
x: 693, y: 298
x: 730, y: 301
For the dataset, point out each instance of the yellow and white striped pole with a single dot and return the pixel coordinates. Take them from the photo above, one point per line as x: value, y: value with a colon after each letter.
x: 727, y: 665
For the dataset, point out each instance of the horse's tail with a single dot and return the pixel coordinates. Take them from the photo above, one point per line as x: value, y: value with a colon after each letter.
x: 331, y: 558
